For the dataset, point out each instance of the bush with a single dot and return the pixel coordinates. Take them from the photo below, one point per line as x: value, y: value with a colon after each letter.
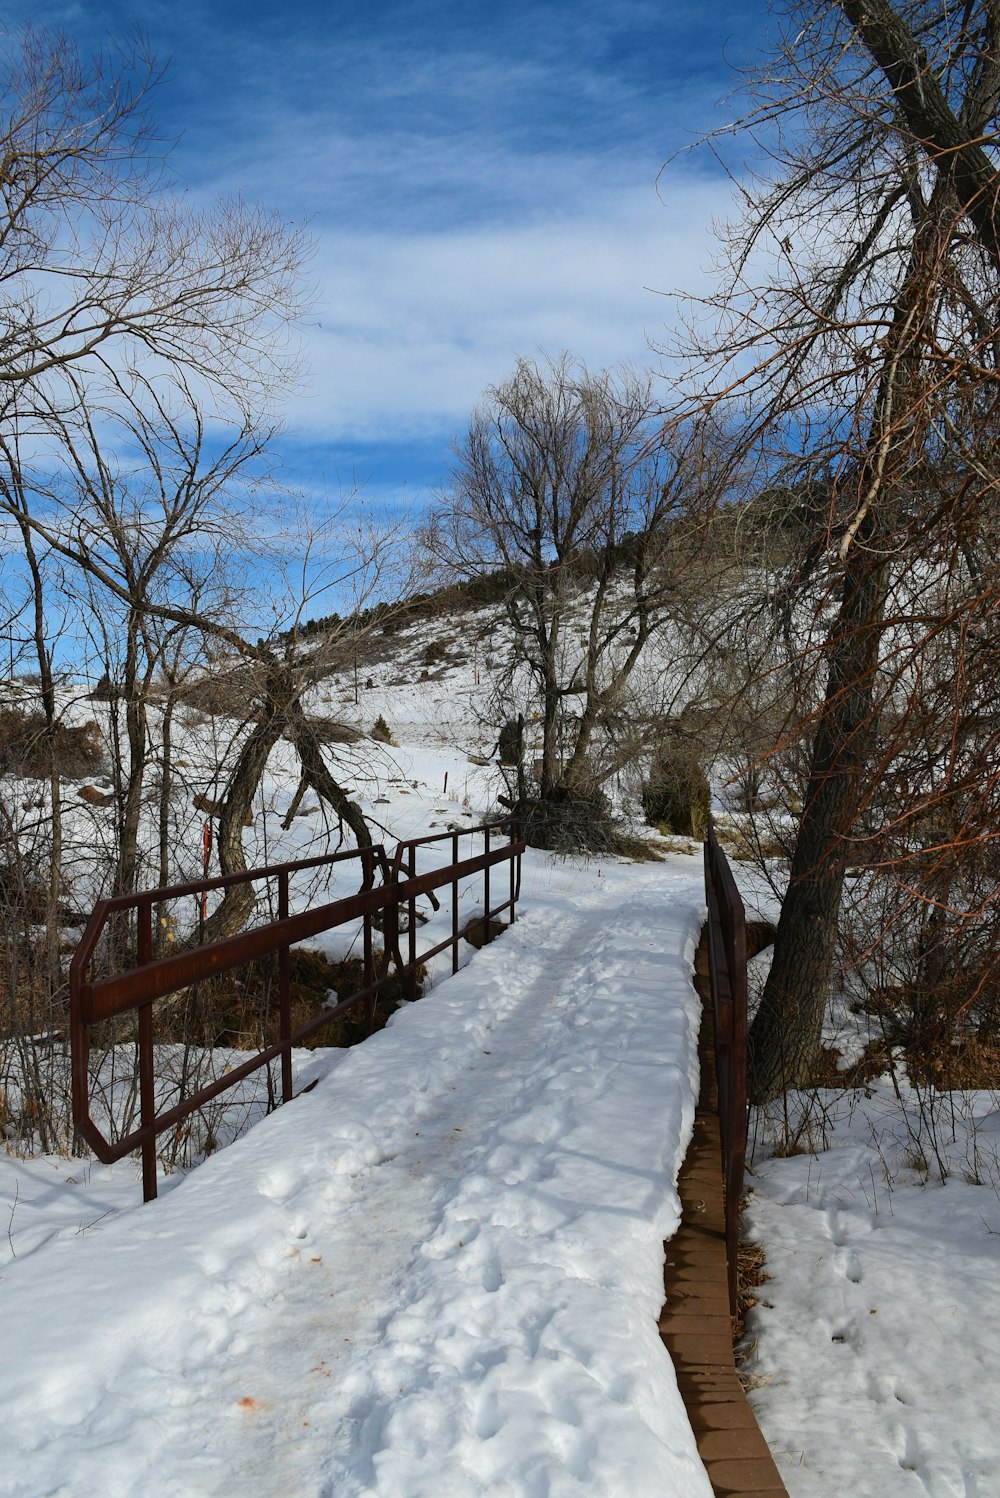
x: 332, y: 731
x: 434, y: 653
x: 229, y: 694
x: 511, y: 745
x: 571, y: 820
x: 26, y: 748
x: 380, y: 730
x: 676, y: 797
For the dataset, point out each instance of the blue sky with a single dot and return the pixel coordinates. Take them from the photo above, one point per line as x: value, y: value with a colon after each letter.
x: 479, y: 181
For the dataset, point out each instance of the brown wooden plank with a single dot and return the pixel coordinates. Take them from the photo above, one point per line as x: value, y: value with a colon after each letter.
x: 695, y: 1323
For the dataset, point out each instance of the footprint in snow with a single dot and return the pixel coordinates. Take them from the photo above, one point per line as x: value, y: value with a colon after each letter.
x: 849, y: 1265
x: 836, y: 1226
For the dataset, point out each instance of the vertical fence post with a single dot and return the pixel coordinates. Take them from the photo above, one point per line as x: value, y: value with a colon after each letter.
x: 284, y: 996
x: 486, y: 891
x: 411, y: 977
x: 369, y: 955
x: 147, y: 1082
x: 454, y: 905
x: 390, y: 953
x: 369, y: 976
x: 727, y: 951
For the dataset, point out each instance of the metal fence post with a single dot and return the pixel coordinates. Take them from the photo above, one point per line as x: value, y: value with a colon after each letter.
x: 147, y: 1080
x: 285, y: 995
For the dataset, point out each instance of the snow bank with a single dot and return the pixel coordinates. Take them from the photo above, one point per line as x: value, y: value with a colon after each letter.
x: 876, y: 1365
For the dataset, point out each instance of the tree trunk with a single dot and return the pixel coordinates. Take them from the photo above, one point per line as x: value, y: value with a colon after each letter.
x: 135, y: 731
x: 955, y: 144
x: 314, y: 770
x: 281, y: 711
x: 238, y: 902
x: 786, y: 1034
x: 47, y: 692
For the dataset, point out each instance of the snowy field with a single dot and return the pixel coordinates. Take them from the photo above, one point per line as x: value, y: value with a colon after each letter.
x: 876, y: 1369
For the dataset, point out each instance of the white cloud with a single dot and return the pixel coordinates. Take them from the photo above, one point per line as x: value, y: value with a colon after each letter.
x: 415, y: 325
x: 479, y: 182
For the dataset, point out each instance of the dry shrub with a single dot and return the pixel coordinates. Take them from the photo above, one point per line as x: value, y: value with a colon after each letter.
x: 752, y: 843
x: 933, y: 985
x: 574, y: 819
x: 434, y: 653
x: 23, y: 894
x: 965, y: 1064
x: 676, y: 796
x: 760, y: 934
x: 827, y: 1073
x: 240, y: 1009
x: 332, y: 731
x: 228, y: 694
x: 27, y: 747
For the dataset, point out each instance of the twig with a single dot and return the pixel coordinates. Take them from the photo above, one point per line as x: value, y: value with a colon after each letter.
x: 10, y: 1223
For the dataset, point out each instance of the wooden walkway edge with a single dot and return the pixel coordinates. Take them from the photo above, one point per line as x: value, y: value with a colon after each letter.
x: 695, y: 1325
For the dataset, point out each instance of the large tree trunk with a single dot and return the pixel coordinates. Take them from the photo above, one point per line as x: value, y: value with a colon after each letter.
x: 954, y: 143
x: 238, y: 902
x: 786, y: 1034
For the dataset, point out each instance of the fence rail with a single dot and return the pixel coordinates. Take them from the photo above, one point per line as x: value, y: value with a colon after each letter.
x: 727, y: 953
x: 387, y: 887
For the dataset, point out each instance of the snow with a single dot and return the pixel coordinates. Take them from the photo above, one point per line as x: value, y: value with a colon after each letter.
x: 876, y: 1365
x: 438, y: 1272
x: 871, y: 1357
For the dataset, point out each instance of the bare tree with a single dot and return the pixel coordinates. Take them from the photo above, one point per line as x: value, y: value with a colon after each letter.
x: 99, y: 261
x: 569, y: 490
x: 131, y: 542
x: 858, y: 340
x: 144, y: 349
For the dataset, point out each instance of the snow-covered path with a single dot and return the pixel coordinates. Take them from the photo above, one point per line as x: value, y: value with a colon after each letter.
x: 439, y: 1272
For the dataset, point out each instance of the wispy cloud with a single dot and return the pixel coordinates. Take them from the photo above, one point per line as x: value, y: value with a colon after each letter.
x: 479, y: 180
x: 416, y: 325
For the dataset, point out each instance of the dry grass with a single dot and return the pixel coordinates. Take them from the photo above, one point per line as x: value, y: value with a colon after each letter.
x: 240, y: 1009
x: 751, y: 1274
x: 829, y: 1074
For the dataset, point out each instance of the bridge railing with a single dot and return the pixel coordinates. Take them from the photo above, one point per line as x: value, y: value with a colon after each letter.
x: 727, y: 950
x: 387, y: 887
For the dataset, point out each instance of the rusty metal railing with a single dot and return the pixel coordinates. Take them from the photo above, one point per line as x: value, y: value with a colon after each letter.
x: 727, y: 951
x: 405, y: 863
x: 386, y: 888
